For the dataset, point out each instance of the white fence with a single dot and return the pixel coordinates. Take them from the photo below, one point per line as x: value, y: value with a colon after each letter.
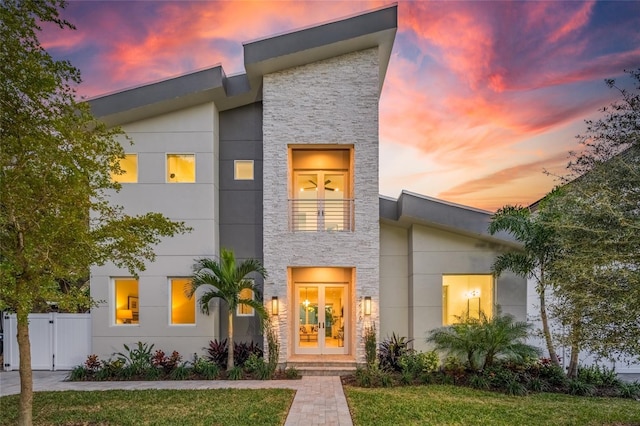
x: 58, y: 341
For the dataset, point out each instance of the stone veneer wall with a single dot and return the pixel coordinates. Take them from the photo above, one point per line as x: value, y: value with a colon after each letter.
x: 334, y: 101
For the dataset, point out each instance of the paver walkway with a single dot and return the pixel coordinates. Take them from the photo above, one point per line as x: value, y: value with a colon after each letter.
x: 318, y: 400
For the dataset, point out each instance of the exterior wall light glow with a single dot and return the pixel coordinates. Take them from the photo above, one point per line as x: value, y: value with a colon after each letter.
x: 274, y: 305
x: 367, y: 305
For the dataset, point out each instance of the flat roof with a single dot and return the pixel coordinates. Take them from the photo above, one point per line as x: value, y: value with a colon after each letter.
x: 411, y: 208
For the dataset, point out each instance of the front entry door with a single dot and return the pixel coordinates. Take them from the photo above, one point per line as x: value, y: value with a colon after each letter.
x: 321, y: 320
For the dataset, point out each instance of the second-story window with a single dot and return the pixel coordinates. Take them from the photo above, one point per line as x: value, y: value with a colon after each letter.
x: 321, y: 197
x: 129, y: 165
x: 181, y: 168
x: 243, y: 170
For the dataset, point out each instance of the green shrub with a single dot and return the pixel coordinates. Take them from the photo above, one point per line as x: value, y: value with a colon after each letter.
x: 628, y: 390
x: 479, y: 381
x: 206, y: 369
x: 453, y: 368
x: 419, y: 363
x: 236, y: 373
x: 257, y: 367
x: 536, y: 384
x: 391, y: 350
x: 598, y: 376
x: 515, y: 388
x: 180, y: 372
x: 374, y: 376
x: 370, y: 345
x: 291, y: 373
x: 136, y: 359
x: 78, y: 373
x: 218, y: 352
x: 273, y: 348
x: 581, y: 388
x: 482, y: 342
x: 553, y: 374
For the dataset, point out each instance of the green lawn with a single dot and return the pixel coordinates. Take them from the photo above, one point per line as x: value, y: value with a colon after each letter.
x: 449, y: 405
x: 155, y: 407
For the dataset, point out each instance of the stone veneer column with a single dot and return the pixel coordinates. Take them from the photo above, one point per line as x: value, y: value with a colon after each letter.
x: 334, y: 101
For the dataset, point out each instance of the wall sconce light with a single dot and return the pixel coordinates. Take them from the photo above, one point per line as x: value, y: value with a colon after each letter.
x: 367, y: 305
x: 274, y: 305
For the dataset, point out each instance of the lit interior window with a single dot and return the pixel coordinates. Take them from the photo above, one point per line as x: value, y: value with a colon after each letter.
x: 126, y: 301
x: 245, y: 310
x: 243, y: 170
x: 466, y: 294
x: 181, y: 168
x: 129, y: 165
x: 183, y: 309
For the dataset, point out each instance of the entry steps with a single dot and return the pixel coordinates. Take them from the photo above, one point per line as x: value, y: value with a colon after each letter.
x: 323, y: 368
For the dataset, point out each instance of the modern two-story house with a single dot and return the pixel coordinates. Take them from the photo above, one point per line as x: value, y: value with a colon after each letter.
x: 281, y: 164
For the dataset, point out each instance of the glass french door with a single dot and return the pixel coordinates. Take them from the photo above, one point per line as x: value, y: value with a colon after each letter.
x: 319, y: 201
x: 321, y: 320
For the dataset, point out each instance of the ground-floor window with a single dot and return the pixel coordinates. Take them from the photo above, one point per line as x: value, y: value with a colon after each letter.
x: 466, y: 295
x: 183, y: 309
x: 245, y: 310
x: 126, y: 301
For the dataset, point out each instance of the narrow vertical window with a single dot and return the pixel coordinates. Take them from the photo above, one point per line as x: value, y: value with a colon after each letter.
x: 181, y: 168
x: 183, y: 309
x: 129, y: 165
x: 243, y: 170
x: 126, y: 303
x: 245, y: 310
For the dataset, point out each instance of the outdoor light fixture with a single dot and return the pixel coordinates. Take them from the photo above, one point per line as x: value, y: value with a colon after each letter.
x: 274, y: 305
x: 367, y: 305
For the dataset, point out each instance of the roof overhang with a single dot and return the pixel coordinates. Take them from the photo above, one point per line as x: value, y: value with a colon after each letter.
x: 415, y: 209
x: 372, y: 29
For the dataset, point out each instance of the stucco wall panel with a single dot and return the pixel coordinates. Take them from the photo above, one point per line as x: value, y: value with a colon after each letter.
x: 193, y: 130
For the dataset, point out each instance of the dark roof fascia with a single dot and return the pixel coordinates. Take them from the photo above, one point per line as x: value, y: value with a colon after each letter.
x: 373, y: 29
x: 301, y: 47
x: 411, y: 208
x: 161, y: 97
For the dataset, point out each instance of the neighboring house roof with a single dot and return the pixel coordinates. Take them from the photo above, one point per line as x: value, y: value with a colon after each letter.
x: 373, y: 29
x: 411, y: 208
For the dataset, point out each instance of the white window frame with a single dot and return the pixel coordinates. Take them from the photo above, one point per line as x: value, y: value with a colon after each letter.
x: 137, y: 170
x: 170, y: 304
x: 166, y: 166
x: 113, y: 304
x: 253, y: 311
x: 235, y: 169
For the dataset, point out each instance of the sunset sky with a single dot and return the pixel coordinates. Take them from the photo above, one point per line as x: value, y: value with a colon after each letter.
x: 479, y: 97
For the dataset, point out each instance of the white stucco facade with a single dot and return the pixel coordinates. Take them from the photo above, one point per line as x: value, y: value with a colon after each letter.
x: 188, y: 131
x: 413, y: 262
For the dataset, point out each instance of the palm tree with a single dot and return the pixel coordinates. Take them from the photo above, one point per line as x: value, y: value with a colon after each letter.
x: 533, y: 261
x: 483, y: 341
x: 225, y: 280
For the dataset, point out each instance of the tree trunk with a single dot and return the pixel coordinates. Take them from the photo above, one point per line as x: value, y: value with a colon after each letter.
x: 25, y: 415
x: 576, y: 332
x: 545, y: 328
x: 230, y: 340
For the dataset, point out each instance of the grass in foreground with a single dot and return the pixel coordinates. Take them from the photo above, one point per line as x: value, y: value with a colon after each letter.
x: 451, y: 405
x: 157, y: 407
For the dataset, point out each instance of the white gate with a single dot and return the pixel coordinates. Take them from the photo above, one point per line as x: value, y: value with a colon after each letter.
x: 58, y: 341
